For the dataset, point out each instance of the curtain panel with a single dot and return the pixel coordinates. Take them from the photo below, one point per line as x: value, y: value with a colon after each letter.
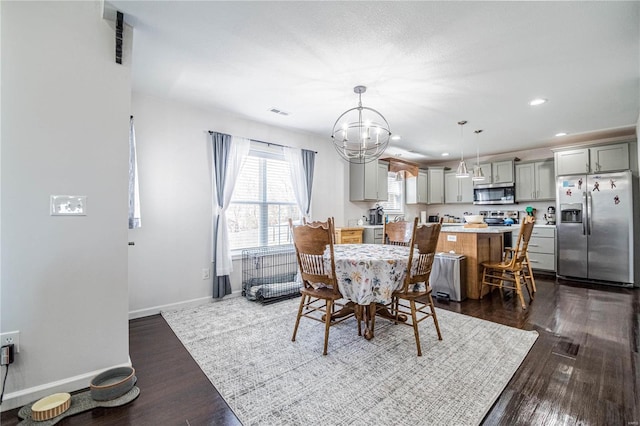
x: 301, y: 165
x: 135, y: 220
x: 228, y: 154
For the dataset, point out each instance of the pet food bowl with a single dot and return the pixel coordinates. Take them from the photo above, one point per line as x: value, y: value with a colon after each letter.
x: 112, y: 383
x: 50, y: 406
x: 475, y: 218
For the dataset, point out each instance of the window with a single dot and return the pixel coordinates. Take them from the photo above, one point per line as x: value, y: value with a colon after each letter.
x: 395, y: 203
x: 262, y: 202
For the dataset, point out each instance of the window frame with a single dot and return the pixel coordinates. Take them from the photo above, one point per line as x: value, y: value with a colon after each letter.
x: 395, y: 179
x: 264, y: 153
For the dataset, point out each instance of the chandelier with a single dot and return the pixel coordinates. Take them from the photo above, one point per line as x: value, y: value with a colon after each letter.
x: 360, y: 134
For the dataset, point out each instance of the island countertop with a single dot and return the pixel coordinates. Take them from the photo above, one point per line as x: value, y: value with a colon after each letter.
x: 487, y: 230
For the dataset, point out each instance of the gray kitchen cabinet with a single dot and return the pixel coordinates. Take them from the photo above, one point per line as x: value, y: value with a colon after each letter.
x: 372, y: 234
x: 596, y: 159
x: 416, y: 188
x: 497, y: 172
x: 535, y: 181
x: 383, y: 180
x: 457, y: 190
x: 368, y: 182
x: 435, y: 182
x: 542, y: 248
x: 572, y: 162
x: 502, y: 172
x: 609, y: 158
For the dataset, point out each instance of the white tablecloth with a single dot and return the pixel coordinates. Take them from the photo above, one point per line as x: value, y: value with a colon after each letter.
x: 369, y: 273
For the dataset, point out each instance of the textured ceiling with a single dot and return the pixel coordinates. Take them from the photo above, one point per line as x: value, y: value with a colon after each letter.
x: 427, y: 65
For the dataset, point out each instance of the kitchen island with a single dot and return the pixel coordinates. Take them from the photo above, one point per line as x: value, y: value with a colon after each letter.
x: 478, y: 245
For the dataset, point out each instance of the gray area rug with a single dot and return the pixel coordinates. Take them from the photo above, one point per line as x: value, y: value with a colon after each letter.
x: 246, y: 350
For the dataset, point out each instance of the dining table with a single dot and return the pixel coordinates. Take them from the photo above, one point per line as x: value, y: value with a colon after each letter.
x: 367, y: 276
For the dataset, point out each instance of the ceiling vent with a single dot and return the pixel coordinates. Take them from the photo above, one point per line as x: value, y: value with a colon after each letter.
x: 278, y: 111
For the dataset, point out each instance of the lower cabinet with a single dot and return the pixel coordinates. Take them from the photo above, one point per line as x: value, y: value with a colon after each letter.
x: 349, y: 235
x: 373, y: 235
x: 542, y: 249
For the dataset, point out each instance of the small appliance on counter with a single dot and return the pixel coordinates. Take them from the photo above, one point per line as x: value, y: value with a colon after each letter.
x: 434, y: 218
x: 376, y: 216
x: 550, y: 216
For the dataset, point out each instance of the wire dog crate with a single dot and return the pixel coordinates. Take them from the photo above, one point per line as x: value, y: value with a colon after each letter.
x: 269, y: 273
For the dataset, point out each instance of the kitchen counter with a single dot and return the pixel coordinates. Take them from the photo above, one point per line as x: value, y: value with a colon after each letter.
x: 477, y: 245
x: 487, y: 230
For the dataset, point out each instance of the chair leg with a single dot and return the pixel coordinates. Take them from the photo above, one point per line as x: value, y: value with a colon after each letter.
x: 435, y: 317
x: 414, y: 320
x: 372, y: 310
x: 295, y: 329
x: 526, y: 284
x: 482, y: 284
x: 533, y: 280
x: 519, y: 290
x: 327, y: 325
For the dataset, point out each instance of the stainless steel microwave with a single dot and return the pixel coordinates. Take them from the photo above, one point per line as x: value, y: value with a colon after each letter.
x: 495, y: 193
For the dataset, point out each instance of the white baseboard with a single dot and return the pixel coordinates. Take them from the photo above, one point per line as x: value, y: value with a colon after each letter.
x: 154, y: 310
x: 25, y: 396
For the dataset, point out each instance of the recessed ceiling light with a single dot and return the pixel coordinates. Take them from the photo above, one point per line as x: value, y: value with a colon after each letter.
x: 395, y: 137
x: 561, y: 134
x: 445, y: 154
x: 537, y: 101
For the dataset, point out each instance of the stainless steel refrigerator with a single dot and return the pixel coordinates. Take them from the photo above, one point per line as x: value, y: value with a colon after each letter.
x: 595, y: 227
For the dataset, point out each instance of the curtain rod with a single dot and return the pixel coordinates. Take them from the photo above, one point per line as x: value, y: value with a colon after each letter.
x: 266, y: 143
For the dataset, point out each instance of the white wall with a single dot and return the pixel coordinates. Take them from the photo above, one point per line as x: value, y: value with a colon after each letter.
x: 65, y: 112
x: 174, y: 161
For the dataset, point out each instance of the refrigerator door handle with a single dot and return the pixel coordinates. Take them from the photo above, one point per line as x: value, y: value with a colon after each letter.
x: 584, y: 205
x: 589, y: 210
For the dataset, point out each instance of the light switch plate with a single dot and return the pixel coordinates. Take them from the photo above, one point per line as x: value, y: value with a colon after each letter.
x: 68, y: 205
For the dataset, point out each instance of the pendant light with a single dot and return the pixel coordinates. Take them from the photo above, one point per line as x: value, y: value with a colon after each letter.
x: 360, y: 134
x: 478, y: 176
x: 462, y: 171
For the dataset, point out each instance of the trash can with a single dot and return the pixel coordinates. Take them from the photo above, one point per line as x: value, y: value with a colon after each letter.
x: 447, y: 278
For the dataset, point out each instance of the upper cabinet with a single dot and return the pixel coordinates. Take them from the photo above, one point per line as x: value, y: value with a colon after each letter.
x: 435, y: 181
x: 416, y: 188
x: 604, y: 158
x: 368, y: 182
x: 609, y: 158
x: 498, y: 172
x: 502, y: 172
x: 535, y: 181
x: 457, y: 190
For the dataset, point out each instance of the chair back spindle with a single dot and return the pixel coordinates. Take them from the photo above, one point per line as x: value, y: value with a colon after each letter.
x: 399, y: 233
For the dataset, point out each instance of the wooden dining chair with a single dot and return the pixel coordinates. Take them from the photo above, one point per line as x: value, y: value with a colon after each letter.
x: 320, y: 288
x: 398, y: 233
x: 528, y: 272
x: 414, y: 298
x: 514, y: 268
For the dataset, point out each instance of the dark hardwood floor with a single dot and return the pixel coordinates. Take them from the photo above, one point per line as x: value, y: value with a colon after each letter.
x: 582, y: 370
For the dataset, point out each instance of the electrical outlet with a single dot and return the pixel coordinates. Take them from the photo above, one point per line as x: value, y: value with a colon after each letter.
x: 11, y: 337
x: 206, y: 273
